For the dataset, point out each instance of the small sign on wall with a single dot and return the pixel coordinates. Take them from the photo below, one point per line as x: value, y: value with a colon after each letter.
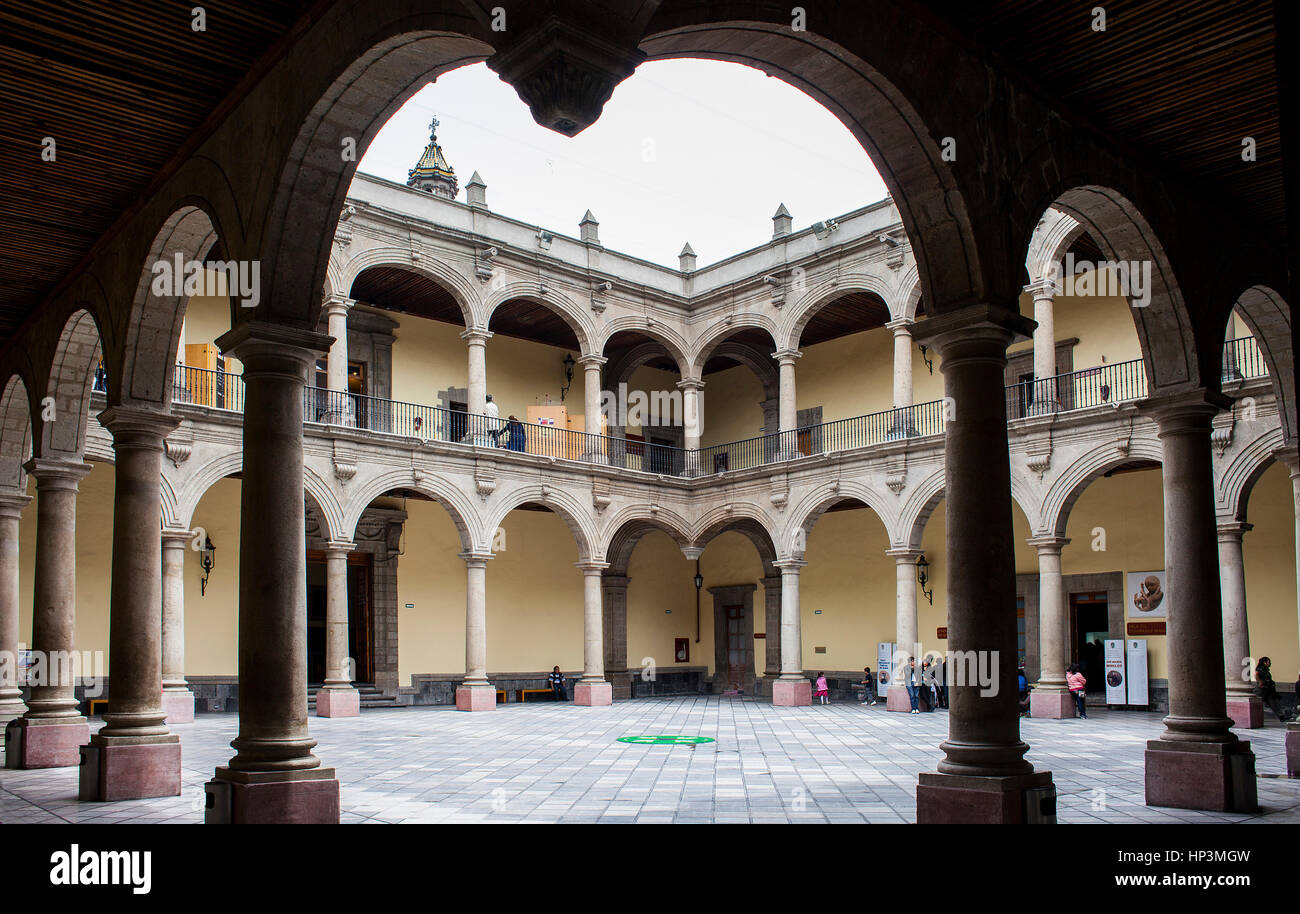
x: 1146, y: 629
x: 682, y: 650
x: 941, y: 633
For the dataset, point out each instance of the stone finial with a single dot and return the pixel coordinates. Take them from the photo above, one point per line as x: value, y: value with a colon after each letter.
x: 686, y: 259
x: 589, y: 229
x: 476, y: 192
x: 782, y: 222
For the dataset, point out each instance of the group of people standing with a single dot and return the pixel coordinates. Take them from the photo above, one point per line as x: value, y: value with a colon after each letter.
x: 510, y: 436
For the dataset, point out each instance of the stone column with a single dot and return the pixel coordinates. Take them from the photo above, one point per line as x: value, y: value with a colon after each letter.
x: 134, y: 755
x: 907, y: 642
x: 11, y: 701
x: 1198, y: 762
x: 477, y: 392
x: 983, y: 776
x: 593, y: 448
x: 337, y: 697
x: 693, y: 422
x: 1243, y: 704
x: 1290, y: 455
x: 475, y: 693
x: 177, y: 699
x: 592, y: 690
x: 1050, y: 698
x: 902, y: 375
x: 273, y: 777
x: 772, y: 641
x: 787, y: 412
x: 336, y: 374
x: 1044, y: 292
x: 52, y: 732
x: 614, y: 633
x: 793, y: 688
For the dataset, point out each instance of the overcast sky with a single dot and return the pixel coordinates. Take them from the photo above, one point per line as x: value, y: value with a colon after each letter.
x: 686, y: 150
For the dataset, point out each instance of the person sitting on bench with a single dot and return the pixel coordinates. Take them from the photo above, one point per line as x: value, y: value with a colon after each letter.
x: 556, y: 680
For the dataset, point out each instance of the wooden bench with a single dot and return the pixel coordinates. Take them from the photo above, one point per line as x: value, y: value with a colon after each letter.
x: 524, y: 693
x: 95, y: 702
x: 502, y: 697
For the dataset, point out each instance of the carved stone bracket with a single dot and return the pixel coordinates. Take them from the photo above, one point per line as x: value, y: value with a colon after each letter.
x: 485, y: 479
x: 1221, y: 428
x: 179, y: 445
x: 600, y: 494
x: 344, y: 460
x: 780, y: 491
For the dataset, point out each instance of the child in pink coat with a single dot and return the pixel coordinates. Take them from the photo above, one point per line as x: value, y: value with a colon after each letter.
x: 823, y: 690
x: 1075, y: 682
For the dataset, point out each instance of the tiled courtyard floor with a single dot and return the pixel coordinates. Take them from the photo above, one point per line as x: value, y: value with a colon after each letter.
x: 560, y: 763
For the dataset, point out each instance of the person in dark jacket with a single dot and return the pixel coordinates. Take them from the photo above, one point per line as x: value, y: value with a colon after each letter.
x: 1268, y: 690
x: 515, y: 438
x: 556, y: 680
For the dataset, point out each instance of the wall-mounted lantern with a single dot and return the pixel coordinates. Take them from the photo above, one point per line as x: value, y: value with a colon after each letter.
x: 207, y: 561
x: 568, y: 375
x: 923, y: 577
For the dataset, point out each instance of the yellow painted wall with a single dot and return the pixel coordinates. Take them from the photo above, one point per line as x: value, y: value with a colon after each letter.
x: 212, y: 620
x: 206, y: 318
x: 1103, y: 326
x: 660, y: 579
x: 732, y: 407
x: 1269, y: 553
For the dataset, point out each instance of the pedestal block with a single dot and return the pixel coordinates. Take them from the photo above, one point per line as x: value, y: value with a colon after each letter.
x: 344, y: 703
x: 178, y: 706
x: 791, y: 693
x: 1246, y: 713
x: 593, y: 694
x: 308, y: 797
x: 132, y: 771
x: 960, y: 800
x: 898, y: 700
x: 622, y: 684
x: 1214, y: 776
x: 476, y: 698
x: 37, y: 744
x: 1293, y: 750
x: 1051, y: 705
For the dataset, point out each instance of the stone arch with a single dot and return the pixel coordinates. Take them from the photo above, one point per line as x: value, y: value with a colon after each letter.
x: 929, y: 492
x: 904, y: 303
x: 357, y: 68
x: 1164, y: 326
x: 451, y: 498
x: 736, y: 515
x: 71, y: 377
x: 1268, y: 316
x: 153, y: 328
x: 753, y: 531
x: 804, y: 515
x: 666, y: 336
x: 760, y: 363
x: 1074, y: 479
x: 444, y: 275
x: 570, y: 510
x: 558, y: 303
x: 629, y: 526
x: 720, y: 332
x: 1052, y: 237
x: 814, y: 300
x: 1234, y: 481
x: 15, y: 434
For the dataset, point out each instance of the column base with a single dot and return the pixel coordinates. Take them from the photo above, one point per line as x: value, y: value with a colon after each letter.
x: 954, y: 799
x: 178, y: 706
x: 593, y: 694
x: 308, y: 797
x: 791, y: 693
x: 476, y: 698
x: 1051, y: 705
x: 1247, y: 712
x: 40, y: 744
x: 1293, y: 750
x: 621, y: 681
x: 897, y: 700
x: 11, y: 709
x: 1213, y: 776
x: 340, y: 703
x: 131, y: 771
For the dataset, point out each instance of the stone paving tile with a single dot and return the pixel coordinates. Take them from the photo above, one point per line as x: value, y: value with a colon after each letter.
x: 543, y: 764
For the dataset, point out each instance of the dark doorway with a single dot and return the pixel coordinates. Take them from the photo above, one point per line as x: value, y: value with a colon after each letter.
x: 737, y: 656
x: 360, y: 616
x: 458, y: 421
x: 1089, y: 629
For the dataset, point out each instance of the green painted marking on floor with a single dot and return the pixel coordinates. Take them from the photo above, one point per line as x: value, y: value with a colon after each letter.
x: 666, y: 740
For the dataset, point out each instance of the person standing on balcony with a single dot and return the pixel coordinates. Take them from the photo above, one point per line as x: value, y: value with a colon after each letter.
x: 492, y: 419
x: 515, y: 438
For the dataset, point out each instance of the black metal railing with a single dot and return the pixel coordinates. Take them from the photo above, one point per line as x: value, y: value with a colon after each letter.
x: 1105, y: 384
x: 204, y: 387
x: 1243, y: 359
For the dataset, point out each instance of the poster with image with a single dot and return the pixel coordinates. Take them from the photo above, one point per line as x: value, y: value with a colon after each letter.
x: 1147, y: 598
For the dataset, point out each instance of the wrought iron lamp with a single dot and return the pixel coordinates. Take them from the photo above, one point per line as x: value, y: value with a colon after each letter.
x: 568, y: 375
x: 923, y: 577
x: 207, y: 561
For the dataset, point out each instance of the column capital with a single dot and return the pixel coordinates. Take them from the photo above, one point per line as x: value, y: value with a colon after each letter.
x: 903, y: 554
x: 692, y: 552
x: 475, y: 559
x: 133, y: 425
x: 789, y: 566
x: 588, y: 362
x: 266, y: 348
x: 1290, y: 456
x: 591, y: 567
x: 476, y: 336
x: 1232, y: 530
x: 902, y: 326
x: 1048, y: 543
x: 57, y: 472
x: 1184, y: 411
x: 174, y: 536
x: 338, y: 547
x: 1046, y: 287
x: 12, y: 504
x: 338, y: 304
x: 974, y: 332
x: 787, y: 356
x: 690, y: 384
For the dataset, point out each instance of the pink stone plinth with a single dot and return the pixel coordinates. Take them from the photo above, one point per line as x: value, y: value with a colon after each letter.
x: 131, y: 772
x: 340, y: 703
x: 593, y: 694
x: 791, y: 693
x: 309, y: 798
x: 1246, y: 713
x: 47, y: 745
x: 470, y: 698
x: 950, y: 799
x: 1051, y: 705
x: 1213, y: 776
x: 178, y: 705
x: 898, y: 700
x: 1293, y: 750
